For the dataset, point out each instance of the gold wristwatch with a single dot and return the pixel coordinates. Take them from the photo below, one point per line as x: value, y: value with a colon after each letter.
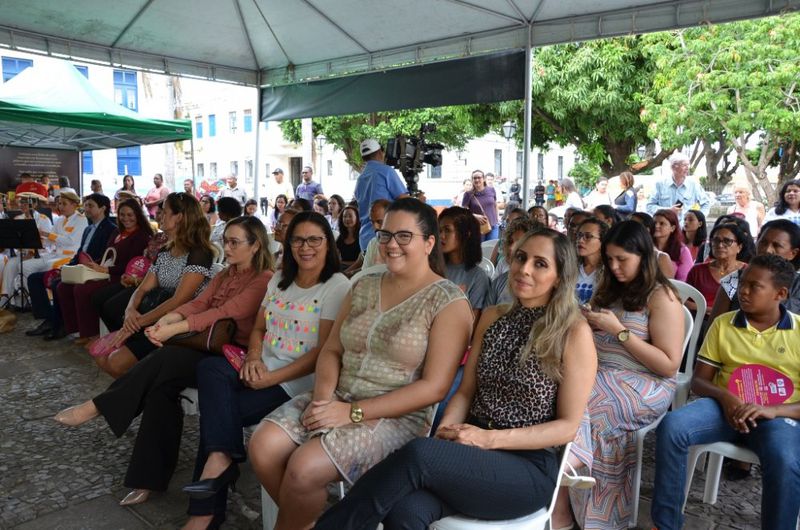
x: 623, y: 336
x: 356, y: 413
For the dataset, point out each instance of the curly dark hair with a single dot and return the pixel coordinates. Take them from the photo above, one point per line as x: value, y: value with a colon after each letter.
x: 289, y: 265
x: 781, y: 205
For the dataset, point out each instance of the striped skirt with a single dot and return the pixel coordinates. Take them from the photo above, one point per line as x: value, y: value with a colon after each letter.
x: 621, y: 402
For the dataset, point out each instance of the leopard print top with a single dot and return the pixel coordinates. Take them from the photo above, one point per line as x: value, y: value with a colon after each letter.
x: 509, y: 395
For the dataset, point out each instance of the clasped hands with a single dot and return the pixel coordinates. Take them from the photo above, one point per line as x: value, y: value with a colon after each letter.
x: 326, y: 414
x: 743, y: 416
x: 466, y: 434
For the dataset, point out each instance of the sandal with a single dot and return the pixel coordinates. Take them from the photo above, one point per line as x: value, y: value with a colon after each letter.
x: 572, y: 479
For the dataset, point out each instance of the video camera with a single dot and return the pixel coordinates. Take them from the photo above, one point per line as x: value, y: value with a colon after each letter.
x: 407, y: 154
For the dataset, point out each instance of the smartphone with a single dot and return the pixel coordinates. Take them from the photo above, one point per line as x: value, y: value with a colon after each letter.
x: 587, y: 307
x: 679, y: 204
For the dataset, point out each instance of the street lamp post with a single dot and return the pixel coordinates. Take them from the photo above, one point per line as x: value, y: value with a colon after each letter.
x: 509, y: 130
x: 320, y: 142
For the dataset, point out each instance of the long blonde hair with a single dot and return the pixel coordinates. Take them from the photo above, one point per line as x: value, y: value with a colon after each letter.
x: 193, y: 232
x: 549, y: 333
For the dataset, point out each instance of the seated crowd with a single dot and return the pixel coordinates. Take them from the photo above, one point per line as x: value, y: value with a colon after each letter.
x: 572, y: 338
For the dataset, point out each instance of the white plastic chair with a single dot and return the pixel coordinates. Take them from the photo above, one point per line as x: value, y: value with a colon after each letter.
x: 539, y: 519
x: 487, y: 265
x: 220, y: 256
x: 684, y: 378
x: 688, y: 326
x: 716, y: 451
x: 380, y: 267
x: 487, y: 247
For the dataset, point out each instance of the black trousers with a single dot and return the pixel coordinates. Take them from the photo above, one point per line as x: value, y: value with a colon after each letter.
x: 428, y: 479
x: 152, y: 388
x: 110, y: 303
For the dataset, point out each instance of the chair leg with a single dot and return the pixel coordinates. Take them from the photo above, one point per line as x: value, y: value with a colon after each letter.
x: 637, y: 480
x: 713, y: 472
x: 694, y: 454
x: 269, y: 511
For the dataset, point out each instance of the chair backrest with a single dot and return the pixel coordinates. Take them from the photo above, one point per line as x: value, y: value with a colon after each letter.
x: 220, y: 257
x: 487, y: 266
x: 688, y: 328
x: 380, y: 267
x: 487, y: 247
x: 687, y: 292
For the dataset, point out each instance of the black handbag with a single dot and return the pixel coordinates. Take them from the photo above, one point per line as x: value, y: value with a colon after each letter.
x: 154, y: 298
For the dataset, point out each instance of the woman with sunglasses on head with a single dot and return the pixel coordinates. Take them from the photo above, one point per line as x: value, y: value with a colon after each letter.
x: 292, y: 324
x: 588, y: 241
x: 152, y: 387
x: 391, y: 355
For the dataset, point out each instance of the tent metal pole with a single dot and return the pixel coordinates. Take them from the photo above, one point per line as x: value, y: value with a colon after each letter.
x: 526, y: 146
x: 257, y: 164
x: 194, y: 167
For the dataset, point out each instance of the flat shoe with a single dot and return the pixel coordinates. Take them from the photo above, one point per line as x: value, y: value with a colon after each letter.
x: 71, y: 417
x: 574, y: 480
x: 135, y: 497
x: 82, y: 341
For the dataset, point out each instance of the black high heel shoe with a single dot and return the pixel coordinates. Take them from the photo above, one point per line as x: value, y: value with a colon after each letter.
x: 203, y: 489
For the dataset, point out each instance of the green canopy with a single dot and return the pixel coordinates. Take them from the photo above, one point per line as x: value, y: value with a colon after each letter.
x: 52, y: 105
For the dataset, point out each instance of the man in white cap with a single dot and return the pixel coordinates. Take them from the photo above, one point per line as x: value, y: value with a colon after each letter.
x: 678, y: 193
x: 377, y: 181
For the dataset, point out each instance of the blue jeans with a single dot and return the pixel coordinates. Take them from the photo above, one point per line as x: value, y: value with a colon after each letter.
x: 776, y: 443
x: 226, y: 406
x: 493, y: 234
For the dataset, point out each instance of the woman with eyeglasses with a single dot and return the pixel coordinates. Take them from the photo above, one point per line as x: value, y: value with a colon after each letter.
x: 292, y: 324
x: 588, y: 241
x: 788, y: 205
x: 209, y: 207
x: 152, y: 387
x: 726, y: 240
x: 634, y: 317
x: 391, y: 355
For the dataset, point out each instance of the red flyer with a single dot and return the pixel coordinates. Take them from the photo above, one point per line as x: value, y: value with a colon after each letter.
x: 761, y: 385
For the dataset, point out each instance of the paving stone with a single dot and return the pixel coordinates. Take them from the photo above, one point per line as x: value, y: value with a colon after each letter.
x: 101, y: 512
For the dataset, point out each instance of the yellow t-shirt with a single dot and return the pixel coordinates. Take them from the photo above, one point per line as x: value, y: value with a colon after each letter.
x: 731, y: 342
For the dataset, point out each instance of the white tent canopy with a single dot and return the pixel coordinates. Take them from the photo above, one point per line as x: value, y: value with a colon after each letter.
x: 277, y: 42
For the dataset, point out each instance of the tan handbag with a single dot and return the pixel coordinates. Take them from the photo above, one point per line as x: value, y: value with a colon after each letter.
x: 485, y: 227
x: 212, y: 340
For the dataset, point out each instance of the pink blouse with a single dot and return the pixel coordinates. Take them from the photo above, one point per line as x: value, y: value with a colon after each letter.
x: 684, y: 264
x: 236, y: 296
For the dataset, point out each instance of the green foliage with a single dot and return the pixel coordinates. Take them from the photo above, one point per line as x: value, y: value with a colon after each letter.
x: 587, y: 94
x: 734, y: 78
x: 456, y: 125
x: 585, y: 173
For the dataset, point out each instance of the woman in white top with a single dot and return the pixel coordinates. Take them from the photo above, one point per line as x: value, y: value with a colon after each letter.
x: 788, y: 206
x: 753, y: 211
x: 295, y: 318
x: 574, y: 199
x: 588, y: 240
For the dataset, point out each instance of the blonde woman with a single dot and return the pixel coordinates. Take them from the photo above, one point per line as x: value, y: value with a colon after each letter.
x: 752, y: 211
x: 524, y: 392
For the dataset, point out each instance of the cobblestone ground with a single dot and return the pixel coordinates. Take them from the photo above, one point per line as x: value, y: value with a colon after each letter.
x: 56, y: 477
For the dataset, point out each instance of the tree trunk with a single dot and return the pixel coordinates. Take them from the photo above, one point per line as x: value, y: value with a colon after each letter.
x: 789, y: 165
x: 618, y: 153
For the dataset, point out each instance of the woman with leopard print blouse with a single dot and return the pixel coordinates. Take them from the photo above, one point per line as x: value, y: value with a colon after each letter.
x: 525, y: 389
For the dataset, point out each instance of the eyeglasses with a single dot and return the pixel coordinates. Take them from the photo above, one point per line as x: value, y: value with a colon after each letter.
x: 722, y: 241
x: 403, y: 237
x: 313, y: 241
x: 233, y: 242
x: 588, y: 236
